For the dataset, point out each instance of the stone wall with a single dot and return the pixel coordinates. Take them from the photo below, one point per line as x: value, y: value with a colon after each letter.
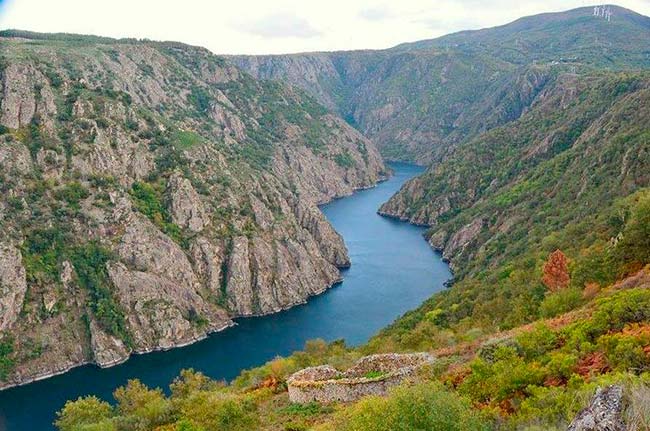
x: 371, y: 375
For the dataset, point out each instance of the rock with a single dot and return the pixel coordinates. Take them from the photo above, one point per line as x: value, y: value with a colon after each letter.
x: 185, y: 205
x: 13, y: 285
x: 460, y: 239
x: 603, y: 412
x: 208, y: 260
x: 329, y: 241
x: 231, y: 124
x: 14, y: 157
x: 160, y: 292
x: 17, y: 101
x: 107, y: 349
x: 239, y: 289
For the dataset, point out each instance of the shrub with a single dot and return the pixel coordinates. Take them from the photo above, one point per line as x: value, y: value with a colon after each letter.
x: 148, y: 200
x: 184, y: 139
x: 344, y: 160
x: 200, y: 98
x: 6, y: 361
x: 212, y: 410
x: 634, y: 245
x: 556, y: 271
x: 89, y: 261
x: 507, y: 376
x: 538, y: 341
x: 561, y: 302
x: 425, y: 406
x: 73, y: 193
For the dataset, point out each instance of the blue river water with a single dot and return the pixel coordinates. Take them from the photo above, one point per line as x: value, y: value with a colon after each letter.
x: 393, y: 270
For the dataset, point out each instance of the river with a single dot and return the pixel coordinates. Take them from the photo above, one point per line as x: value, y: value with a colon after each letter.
x: 393, y: 270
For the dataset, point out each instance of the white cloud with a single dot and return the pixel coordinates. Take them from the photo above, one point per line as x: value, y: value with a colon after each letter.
x: 280, y: 25
x: 277, y: 26
x: 378, y: 13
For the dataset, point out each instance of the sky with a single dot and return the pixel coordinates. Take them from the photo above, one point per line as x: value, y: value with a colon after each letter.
x: 277, y: 26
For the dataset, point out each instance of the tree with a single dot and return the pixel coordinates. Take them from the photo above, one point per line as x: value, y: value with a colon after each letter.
x: 84, y: 413
x: 556, y: 271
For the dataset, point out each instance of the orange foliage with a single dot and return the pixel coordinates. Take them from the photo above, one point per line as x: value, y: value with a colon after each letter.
x: 594, y: 363
x: 269, y: 382
x: 456, y: 375
x: 590, y: 290
x: 556, y: 271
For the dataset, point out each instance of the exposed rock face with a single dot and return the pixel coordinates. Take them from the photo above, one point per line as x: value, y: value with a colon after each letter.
x: 603, y: 413
x: 463, y: 237
x: 174, y: 193
x: 185, y: 205
x: 12, y: 285
x: 107, y: 349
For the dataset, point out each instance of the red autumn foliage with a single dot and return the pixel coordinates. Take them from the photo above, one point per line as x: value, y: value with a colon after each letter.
x: 556, y: 271
x: 593, y: 364
x: 554, y: 381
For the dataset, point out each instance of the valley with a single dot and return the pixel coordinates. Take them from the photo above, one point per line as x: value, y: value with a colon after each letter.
x: 155, y: 193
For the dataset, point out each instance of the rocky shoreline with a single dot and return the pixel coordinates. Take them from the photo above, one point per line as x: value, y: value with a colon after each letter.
x: 231, y: 323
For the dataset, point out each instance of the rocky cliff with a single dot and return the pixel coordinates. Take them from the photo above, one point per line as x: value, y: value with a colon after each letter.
x: 151, y: 192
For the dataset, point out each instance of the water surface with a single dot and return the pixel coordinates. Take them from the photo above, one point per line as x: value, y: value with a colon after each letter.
x: 393, y: 270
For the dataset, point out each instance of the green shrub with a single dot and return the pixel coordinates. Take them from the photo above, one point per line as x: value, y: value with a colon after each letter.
x: 502, y: 379
x: 344, y: 160
x: 148, y: 200
x: 425, y: 406
x: 560, y: 302
x: 200, y: 98
x: 7, y: 363
x: 306, y: 410
x: 89, y: 261
x: 141, y: 408
x: 73, y: 193
x: 214, y: 410
x: 538, y: 341
x: 185, y: 139
x: 634, y: 245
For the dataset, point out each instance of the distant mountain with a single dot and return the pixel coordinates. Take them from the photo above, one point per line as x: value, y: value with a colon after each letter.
x: 576, y: 35
x: 417, y: 100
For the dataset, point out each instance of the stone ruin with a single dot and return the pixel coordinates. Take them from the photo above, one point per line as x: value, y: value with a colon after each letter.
x: 371, y: 375
x: 603, y: 412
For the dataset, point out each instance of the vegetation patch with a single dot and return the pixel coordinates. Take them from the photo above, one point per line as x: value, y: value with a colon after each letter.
x: 344, y: 160
x: 147, y: 198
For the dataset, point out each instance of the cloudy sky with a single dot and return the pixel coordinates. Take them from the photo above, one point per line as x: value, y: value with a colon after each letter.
x: 276, y: 26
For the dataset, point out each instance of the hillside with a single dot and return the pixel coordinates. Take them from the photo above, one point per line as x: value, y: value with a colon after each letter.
x: 534, y: 377
x: 415, y: 101
x: 582, y: 144
x: 151, y: 192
